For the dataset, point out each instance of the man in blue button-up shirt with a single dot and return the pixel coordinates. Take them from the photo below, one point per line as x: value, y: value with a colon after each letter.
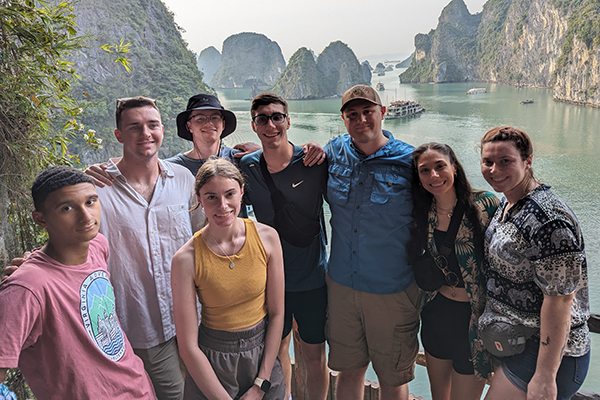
x: 373, y: 300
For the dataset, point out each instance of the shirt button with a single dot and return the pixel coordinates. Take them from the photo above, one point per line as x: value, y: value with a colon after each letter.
x: 358, y: 206
x: 360, y: 183
x: 354, y: 252
x: 389, y: 183
x: 356, y: 272
x: 355, y: 231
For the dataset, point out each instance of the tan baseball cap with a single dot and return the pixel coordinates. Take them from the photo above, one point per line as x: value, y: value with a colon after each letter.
x: 360, y: 92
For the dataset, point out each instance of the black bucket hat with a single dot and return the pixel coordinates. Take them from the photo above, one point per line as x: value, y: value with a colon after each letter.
x: 204, y: 102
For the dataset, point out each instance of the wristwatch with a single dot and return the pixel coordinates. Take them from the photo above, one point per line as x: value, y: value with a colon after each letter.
x: 263, y: 384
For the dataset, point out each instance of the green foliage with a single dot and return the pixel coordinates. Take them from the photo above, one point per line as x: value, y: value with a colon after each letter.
x: 38, y: 118
x: 162, y: 68
x: 490, y: 36
x: 519, y: 27
x: 300, y: 79
x: 583, y: 23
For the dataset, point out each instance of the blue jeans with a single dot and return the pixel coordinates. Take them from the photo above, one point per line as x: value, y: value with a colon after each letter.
x: 519, y: 370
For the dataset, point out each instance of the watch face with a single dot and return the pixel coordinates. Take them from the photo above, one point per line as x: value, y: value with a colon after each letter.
x: 266, y: 385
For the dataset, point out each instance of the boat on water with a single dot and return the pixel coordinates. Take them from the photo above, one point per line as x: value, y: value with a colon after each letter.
x: 380, y: 86
x: 382, y: 73
x: 476, y: 91
x: 527, y: 101
x: 403, y: 108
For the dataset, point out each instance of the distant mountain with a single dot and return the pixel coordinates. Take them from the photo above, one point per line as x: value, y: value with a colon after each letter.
x: 300, y: 79
x: 407, y: 62
x: 248, y: 58
x: 540, y: 43
x: 336, y: 70
x: 340, y: 69
x: 209, y: 62
x: 366, y: 69
x: 162, y: 68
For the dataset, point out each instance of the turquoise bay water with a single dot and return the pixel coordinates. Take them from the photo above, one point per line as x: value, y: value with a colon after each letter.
x: 566, y: 142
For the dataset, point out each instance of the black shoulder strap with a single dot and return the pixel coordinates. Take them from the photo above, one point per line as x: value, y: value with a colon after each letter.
x: 450, y: 236
x: 266, y: 175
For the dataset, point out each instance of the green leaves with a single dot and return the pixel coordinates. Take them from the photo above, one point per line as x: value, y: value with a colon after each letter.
x: 120, y: 49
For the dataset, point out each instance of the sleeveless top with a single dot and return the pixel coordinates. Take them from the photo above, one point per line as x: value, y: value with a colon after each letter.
x: 231, y: 298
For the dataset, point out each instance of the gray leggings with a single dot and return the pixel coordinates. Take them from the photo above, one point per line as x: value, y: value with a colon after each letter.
x: 235, y: 358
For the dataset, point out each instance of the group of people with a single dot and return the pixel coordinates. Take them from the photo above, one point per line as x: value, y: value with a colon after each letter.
x: 193, y: 279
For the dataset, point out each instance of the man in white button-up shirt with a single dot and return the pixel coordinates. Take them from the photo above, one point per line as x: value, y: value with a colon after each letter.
x: 146, y: 218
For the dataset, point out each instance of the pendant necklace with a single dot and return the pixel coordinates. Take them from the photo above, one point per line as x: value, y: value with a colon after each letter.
x: 441, y: 211
x: 231, y: 263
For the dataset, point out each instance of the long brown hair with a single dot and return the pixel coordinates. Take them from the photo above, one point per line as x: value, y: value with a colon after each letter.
x: 422, y: 200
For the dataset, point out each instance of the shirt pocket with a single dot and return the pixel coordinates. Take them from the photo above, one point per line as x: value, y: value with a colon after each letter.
x: 338, y: 184
x: 389, y: 187
x: 179, y: 221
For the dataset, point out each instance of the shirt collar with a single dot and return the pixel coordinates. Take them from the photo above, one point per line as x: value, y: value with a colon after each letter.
x: 165, y: 169
x: 384, y: 151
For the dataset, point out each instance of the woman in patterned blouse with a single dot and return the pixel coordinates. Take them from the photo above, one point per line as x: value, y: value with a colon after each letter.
x: 457, y: 364
x: 536, y: 276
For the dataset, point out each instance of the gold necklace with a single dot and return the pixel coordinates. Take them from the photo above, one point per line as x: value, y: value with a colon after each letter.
x: 443, y: 212
x: 231, y: 263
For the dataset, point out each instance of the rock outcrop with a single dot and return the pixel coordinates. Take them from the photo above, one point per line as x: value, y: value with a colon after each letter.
x: 339, y: 69
x: 300, y: 80
x: 406, y: 62
x: 336, y: 70
x: 248, y: 58
x: 162, y: 67
x: 209, y: 62
x: 540, y: 43
x: 366, y: 68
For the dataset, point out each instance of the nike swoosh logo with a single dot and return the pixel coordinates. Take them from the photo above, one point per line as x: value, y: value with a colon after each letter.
x: 297, y: 184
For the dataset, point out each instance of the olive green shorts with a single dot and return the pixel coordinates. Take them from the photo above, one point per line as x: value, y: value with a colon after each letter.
x: 380, y: 328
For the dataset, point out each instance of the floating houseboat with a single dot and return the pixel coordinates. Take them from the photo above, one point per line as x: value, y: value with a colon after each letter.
x: 476, y: 91
x: 380, y: 86
x: 403, y: 108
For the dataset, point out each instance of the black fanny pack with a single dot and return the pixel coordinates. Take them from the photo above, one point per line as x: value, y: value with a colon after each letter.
x: 502, y: 339
x: 292, y: 226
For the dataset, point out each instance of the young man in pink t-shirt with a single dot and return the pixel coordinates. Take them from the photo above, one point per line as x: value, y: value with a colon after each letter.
x: 57, y: 311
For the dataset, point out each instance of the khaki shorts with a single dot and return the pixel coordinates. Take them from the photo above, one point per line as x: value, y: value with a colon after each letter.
x: 381, y: 328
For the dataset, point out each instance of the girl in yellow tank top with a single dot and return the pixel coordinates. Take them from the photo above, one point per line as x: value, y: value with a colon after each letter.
x: 235, y: 268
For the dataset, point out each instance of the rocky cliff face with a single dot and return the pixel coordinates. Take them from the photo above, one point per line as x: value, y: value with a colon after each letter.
x: 162, y: 68
x: 339, y: 68
x: 247, y: 59
x: 366, y: 70
x: 522, y: 42
x: 209, y: 62
x: 300, y: 80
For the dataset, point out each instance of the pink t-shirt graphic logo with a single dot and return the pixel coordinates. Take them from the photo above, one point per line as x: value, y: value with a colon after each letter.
x: 99, y: 315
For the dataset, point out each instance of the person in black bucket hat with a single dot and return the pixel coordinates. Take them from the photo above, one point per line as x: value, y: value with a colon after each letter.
x: 206, y: 122
x: 204, y: 102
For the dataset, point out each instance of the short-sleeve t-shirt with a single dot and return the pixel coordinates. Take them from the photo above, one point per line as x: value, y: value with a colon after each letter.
x: 194, y: 164
x: 61, y: 329
x: 303, y: 187
x: 536, y: 249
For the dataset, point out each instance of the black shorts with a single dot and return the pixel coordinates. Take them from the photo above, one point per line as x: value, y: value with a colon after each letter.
x: 309, y: 308
x: 445, y: 332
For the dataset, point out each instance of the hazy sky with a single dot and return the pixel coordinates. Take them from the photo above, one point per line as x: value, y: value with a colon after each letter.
x: 369, y: 28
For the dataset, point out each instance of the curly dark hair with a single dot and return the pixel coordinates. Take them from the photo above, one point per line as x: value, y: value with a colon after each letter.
x: 422, y: 200
x: 53, y: 179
